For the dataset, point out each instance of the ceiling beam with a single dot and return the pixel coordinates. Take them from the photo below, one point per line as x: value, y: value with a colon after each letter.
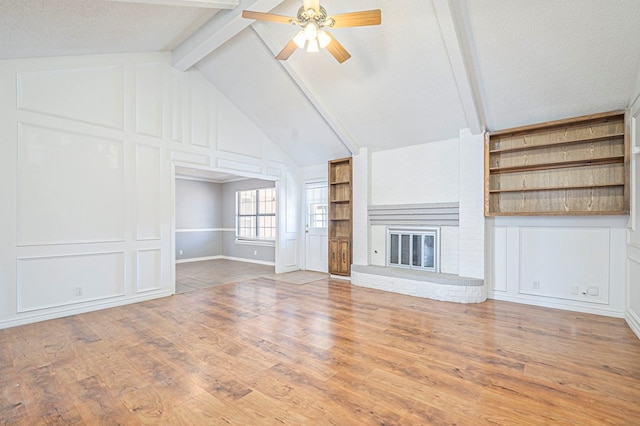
x: 456, y: 42
x: 328, y: 116
x: 222, y: 27
x: 212, y: 4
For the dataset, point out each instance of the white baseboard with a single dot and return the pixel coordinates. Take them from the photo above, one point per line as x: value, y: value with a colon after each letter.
x: 96, y: 305
x: 556, y: 304
x: 198, y: 259
x: 633, y: 320
x: 238, y: 259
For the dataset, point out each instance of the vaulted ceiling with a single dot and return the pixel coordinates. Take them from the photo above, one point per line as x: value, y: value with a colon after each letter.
x: 431, y: 68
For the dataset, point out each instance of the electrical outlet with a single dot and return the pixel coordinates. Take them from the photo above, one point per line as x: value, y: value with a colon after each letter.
x: 593, y: 290
x: 255, y: 252
x: 180, y: 252
x: 78, y: 291
x: 536, y: 285
x: 575, y: 289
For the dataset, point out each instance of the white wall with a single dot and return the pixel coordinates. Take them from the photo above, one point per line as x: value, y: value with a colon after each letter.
x: 89, y: 145
x: 632, y: 312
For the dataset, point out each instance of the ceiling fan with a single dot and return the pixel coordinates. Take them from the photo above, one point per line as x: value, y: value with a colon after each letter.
x: 312, y: 20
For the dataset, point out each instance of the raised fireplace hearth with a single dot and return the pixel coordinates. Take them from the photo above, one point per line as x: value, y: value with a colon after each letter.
x: 419, y: 283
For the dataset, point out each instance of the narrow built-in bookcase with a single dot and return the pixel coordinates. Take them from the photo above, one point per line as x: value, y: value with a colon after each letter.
x: 340, y: 216
x: 577, y: 166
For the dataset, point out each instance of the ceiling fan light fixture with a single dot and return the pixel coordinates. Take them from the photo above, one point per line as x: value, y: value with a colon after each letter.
x: 311, y: 31
x: 312, y: 47
x: 300, y: 39
x: 323, y: 39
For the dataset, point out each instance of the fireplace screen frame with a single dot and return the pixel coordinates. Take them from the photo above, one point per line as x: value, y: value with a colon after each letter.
x: 406, y: 248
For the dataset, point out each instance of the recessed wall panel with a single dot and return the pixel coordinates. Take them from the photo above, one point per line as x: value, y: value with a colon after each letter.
x: 148, y: 200
x: 149, y: 98
x: 149, y: 272
x: 91, y: 95
x: 555, y: 260
x: 202, y: 118
x: 70, y: 187
x: 63, y: 280
x: 499, y: 260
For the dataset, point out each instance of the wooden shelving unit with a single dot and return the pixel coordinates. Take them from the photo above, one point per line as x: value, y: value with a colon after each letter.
x: 340, y: 216
x: 578, y: 166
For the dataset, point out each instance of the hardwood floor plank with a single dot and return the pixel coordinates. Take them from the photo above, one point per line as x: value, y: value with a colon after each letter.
x: 271, y: 350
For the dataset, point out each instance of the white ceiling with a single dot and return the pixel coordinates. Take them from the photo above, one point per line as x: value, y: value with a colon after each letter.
x: 431, y: 68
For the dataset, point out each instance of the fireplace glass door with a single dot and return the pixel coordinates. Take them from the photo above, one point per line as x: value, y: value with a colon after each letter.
x: 413, y: 249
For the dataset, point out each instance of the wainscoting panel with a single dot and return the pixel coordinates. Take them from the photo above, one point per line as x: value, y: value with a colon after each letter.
x: 553, y: 263
x: 70, y: 187
x: 149, y: 98
x: 499, y: 260
x: 203, y: 117
x: 148, y: 270
x: 47, y: 282
x: 91, y: 95
x: 148, y: 199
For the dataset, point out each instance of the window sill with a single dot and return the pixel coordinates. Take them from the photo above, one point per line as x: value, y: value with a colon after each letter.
x: 255, y: 242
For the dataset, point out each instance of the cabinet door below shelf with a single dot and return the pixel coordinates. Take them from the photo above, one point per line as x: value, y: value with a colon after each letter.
x: 339, y: 256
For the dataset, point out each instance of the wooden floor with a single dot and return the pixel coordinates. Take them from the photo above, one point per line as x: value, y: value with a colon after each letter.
x: 286, y: 350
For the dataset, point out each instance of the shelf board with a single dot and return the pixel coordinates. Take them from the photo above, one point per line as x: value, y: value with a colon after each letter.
x: 553, y: 144
x: 340, y: 219
x: 563, y: 213
x: 339, y: 182
x: 616, y: 159
x: 556, y: 188
x: 340, y: 201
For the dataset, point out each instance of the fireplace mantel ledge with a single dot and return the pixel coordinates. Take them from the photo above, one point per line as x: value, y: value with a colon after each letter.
x: 438, y: 286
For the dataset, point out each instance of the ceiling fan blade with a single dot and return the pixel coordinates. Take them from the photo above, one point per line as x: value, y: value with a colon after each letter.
x: 336, y: 49
x: 311, y: 4
x: 261, y: 16
x: 356, y: 19
x: 287, y: 51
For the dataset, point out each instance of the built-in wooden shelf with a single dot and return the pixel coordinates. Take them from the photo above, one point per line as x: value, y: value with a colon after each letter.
x: 577, y: 166
x: 340, y: 216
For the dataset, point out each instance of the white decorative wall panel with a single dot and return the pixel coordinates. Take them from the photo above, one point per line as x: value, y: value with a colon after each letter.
x: 634, y: 236
x: 552, y: 260
x: 185, y: 157
x: 92, y: 95
x: 148, y: 199
x: 179, y: 107
x: 70, y: 187
x: 499, y: 259
x: 203, y: 121
x: 61, y: 280
x: 238, y: 166
x: 149, y: 98
x: 149, y: 270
